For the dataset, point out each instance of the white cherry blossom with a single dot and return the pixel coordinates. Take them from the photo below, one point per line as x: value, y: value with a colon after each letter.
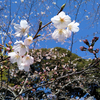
x: 73, y: 26
x: 28, y: 40
x: 22, y: 29
x: 22, y: 66
x: 26, y: 62
x: 61, y: 34
x: 14, y: 57
x: 61, y: 20
x: 20, y: 47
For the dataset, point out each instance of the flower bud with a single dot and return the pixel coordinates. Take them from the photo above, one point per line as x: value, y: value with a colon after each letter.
x: 40, y: 24
x: 97, y: 50
x: 95, y: 39
x: 6, y: 44
x: 7, y: 49
x: 82, y: 48
x: 9, y: 42
x: 62, y: 7
x: 86, y: 42
x: 90, y: 49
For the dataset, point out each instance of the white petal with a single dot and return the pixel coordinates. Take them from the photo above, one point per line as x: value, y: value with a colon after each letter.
x: 21, y: 66
x: 28, y: 60
x: 14, y: 57
x: 55, y: 19
x: 22, y: 51
x: 28, y: 40
x: 76, y: 24
x: 17, y: 27
x: 23, y: 23
x: 18, y: 34
x: 16, y: 48
x: 26, y: 68
x: 61, y: 14
x: 76, y: 29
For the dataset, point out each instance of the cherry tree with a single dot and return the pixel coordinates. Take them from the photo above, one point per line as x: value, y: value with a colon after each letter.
x: 36, y: 74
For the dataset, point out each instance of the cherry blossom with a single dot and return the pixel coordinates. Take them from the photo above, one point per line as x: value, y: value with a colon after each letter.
x: 20, y: 47
x: 26, y: 62
x: 73, y: 26
x: 61, y: 34
x: 14, y: 57
x: 61, y: 20
x: 28, y: 40
x: 22, y: 29
x: 22, y: 66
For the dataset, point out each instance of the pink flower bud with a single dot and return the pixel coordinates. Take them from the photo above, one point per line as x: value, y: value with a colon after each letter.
x: 95, y: 39
x: 7, y: 49
x: 9, y: 42
x: 82, y: 48
x: 86, y: 42
x: 91, y: 47
x: 97, y: 50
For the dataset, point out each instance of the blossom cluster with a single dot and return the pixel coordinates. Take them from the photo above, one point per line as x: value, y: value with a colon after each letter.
x: 20, y: 48
x: 90, y: 46
x: 61, y: 22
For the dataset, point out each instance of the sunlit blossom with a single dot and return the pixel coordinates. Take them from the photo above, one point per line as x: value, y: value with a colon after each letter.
x: 22, y: 66
x: 61, y: 20
x: 22, y: 29
x: 61, y: 34
x: 73, y: 26
x: 14, y: 57
x: 26, y: 62
x: 28, y: 40
x: 20, y: 47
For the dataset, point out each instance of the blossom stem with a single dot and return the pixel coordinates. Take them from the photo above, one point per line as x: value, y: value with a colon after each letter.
x: 47, y: 23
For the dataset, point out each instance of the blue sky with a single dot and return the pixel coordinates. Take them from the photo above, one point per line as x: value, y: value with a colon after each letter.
x: 86, y: 12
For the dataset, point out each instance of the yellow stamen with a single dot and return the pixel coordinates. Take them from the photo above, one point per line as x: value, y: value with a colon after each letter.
x: 22, y: 46
x: 17, y: 56
x: 29, y: 40
x: 60, y: 31
x: 61, y: 19
x: 27, y: 58
x: 23, y: 30
x: 70, y: 27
